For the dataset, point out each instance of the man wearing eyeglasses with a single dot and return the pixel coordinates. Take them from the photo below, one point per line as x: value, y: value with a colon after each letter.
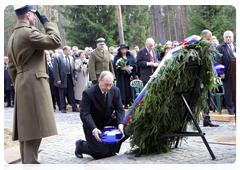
x: 175, y: 44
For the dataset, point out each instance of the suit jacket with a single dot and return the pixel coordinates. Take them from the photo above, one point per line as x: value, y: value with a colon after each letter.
x: 99, y: 62
x: 142, y: 59
x: 51, y: 80
x: 226, y: 58
x: 95, y: 113
x: 60, y: 73
x: 33, y: 110
x: 7, y: 80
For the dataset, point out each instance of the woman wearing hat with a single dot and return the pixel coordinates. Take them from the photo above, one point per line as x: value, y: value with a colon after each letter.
x: 123, y: 74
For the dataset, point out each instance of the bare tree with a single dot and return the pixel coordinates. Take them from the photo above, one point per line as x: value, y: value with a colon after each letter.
x: 37, y: 21
x: 178, y: 23
x: 120, y: 27
x: 174, y: 24
x: 169, y: 26
x: 60, y: 24
x: 159, y: 27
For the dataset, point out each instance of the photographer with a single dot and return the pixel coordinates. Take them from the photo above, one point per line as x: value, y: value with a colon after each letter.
x: 81, y: 66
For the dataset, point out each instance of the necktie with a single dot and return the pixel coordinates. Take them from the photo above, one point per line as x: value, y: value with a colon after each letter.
x: 230, y: 47
x: 67, y: 64
x: 104, y: 96
x: 151, y: 59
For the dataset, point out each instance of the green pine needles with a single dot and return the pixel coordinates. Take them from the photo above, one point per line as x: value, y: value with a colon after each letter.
x: 159, y: 100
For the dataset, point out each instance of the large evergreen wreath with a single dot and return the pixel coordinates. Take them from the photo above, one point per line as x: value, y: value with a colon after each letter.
x: 159, y: 99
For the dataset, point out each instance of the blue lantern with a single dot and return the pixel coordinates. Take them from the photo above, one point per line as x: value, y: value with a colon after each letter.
x: 219, y: 68
x: 110, y: 135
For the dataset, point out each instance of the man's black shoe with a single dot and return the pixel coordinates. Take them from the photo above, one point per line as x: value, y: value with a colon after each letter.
x: 8, y: 106
x: 64, y: 111
x: 113, y: 154
x: 232, y: 113
x: 207, y: 122
x: 77, y: 152
x: 75, y: 110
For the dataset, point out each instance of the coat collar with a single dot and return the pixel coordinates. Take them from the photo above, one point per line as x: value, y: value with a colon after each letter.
x: 22, y: 24
x: 99, y: 53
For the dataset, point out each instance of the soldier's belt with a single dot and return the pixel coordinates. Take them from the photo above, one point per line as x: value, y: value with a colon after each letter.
x: 21, y: 69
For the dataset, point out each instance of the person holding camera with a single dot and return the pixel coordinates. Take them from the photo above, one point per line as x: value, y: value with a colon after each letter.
x: 33, y: 112
x: 81, y: 66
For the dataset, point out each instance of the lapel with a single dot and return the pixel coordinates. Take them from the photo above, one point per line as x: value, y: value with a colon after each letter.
x: 63, y: 59
x: 229, y: 51
x: 147, y: 56
x: 99, y: 53
x: 98, y: 95
x: 110, y: 95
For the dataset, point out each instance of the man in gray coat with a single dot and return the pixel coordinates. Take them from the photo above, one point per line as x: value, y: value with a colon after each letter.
x: 65, y: 78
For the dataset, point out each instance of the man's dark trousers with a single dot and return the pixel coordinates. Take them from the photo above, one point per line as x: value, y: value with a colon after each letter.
x: 69, y: 91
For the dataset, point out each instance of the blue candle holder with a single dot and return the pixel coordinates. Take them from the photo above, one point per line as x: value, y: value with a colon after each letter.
x: 110, y: 135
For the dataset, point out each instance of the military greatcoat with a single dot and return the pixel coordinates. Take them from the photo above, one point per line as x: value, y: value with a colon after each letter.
x: 99, y: 62
x: 33, y: 112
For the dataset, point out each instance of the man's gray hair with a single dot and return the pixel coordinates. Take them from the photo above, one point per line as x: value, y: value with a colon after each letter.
x: 75, y: 47
x: 66, y: 47
x: 175, y: 42
x: 150, y: 41
x: 111, y: 48
x: 228, y: 32
x: 104, y: 74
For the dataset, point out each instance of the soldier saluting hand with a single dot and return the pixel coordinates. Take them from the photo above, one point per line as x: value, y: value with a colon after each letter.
x: 33, y: 112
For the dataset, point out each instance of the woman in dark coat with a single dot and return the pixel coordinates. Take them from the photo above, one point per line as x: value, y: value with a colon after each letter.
x: 122, y: 75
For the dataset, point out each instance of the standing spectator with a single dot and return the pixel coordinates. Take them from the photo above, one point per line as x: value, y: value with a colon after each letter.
x: 75, y: 52
x: 33, y: 112
x: 60, y: 51
x: 65, y: 78
x: 115, y: 51
x: 53, y: 88
x: 81, y: 65
x: 100, y: 60
x: 148, y: 59
x: 134, y: 53
x: 175, y: 44
x: 8, y: 85
x: 136, y: 48
x: 123, y: 74
x: 228, y: 50
x: 88, y: 52
x: 111, y: 50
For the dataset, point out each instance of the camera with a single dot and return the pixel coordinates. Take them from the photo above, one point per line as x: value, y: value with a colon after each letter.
x: 84, y: 62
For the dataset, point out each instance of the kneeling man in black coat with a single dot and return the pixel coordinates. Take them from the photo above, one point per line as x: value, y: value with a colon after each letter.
x: 97, y: 107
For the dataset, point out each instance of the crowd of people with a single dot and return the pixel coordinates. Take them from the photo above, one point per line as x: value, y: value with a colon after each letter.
x: 72, y: 70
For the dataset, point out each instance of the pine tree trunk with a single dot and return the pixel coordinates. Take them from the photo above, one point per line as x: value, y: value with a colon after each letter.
x: 159, y: 26
x: 169, y: 26
x: 120, y: 27
x: 174, y: 24
x: 186, y: 15
x: 60, y: 24
x: 166, y: 24
x: 183, y: 22
x: 37, y: 21
x: 178, y: 24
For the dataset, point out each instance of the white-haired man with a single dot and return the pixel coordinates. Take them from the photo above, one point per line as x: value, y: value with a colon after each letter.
x: 148, y: 59
x: 228, y: 50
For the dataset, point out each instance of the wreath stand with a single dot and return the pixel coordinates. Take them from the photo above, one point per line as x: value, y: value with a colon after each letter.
x: 188, y: 113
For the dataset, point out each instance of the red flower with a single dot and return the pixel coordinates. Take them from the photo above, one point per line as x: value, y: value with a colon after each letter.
x: 146, y: 53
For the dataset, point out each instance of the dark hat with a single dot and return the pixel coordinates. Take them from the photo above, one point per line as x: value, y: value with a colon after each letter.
x: 20, y: 9
x: 123, y: 46
x: 101, y: 41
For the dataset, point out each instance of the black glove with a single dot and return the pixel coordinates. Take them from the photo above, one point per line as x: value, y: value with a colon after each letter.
x: 43, y: 19
x: 94, y: 81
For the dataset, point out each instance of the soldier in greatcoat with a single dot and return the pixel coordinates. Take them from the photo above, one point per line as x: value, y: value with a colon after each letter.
x: 33, y: 113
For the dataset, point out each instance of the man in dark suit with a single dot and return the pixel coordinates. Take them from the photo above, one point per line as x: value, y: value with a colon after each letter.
x: 53, y: 88
x: 75, y: 52
x: 228, y: 50
x: 65, y: 78
x: 8, y: 85
x: 98, y: 104
x: 148, y: 59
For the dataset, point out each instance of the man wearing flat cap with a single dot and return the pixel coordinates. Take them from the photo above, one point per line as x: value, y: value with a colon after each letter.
x: 100, y: 60
x: 33, y: 112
